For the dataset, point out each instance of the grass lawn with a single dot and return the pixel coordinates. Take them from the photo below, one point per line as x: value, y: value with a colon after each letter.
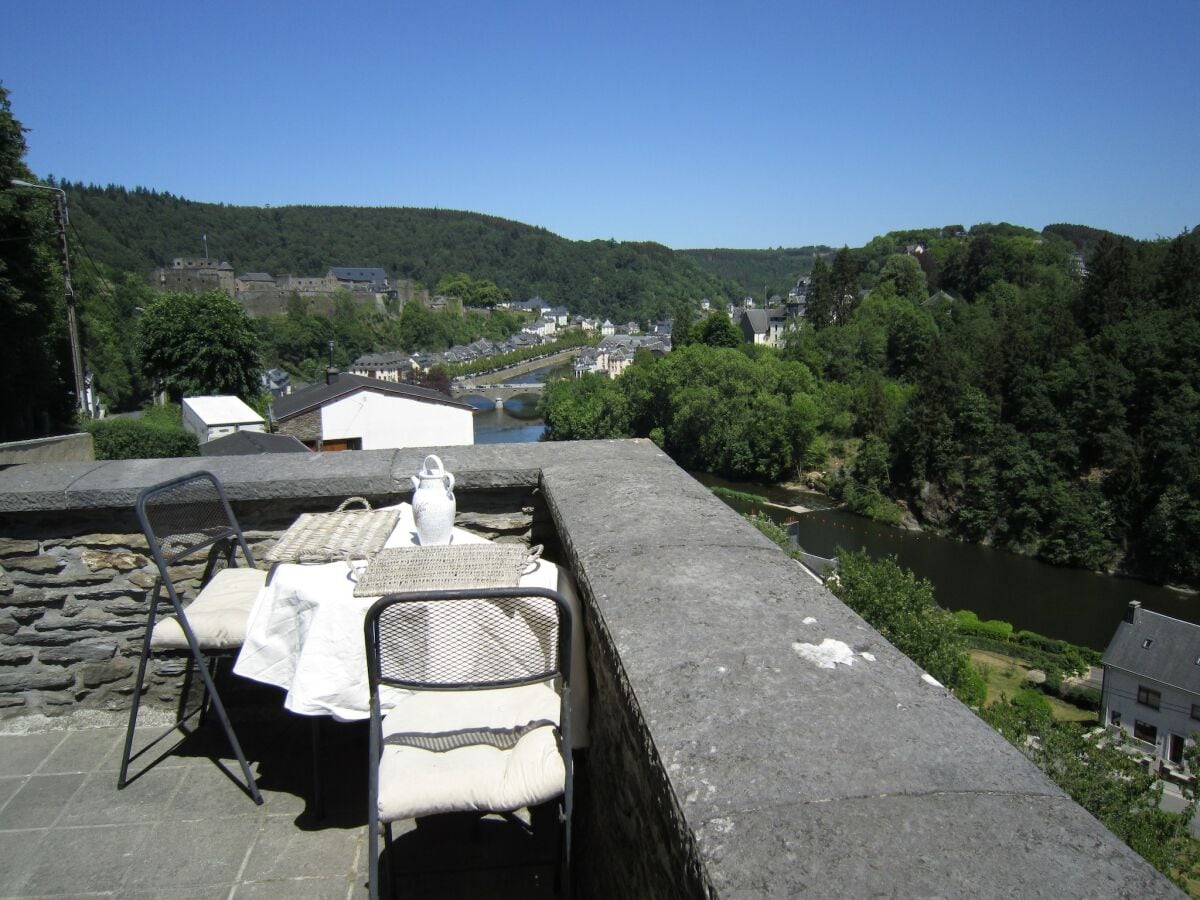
x: 1006, y: 675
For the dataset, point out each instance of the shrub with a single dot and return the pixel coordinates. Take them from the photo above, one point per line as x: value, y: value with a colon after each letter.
x: 995, y: 629
x: 134, y: 439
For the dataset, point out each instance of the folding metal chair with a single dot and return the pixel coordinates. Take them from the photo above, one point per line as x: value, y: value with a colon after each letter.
x: 482, y: 722
x: 188, y: 521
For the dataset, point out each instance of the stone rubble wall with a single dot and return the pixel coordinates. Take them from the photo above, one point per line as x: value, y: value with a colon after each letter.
x: 74, y: 608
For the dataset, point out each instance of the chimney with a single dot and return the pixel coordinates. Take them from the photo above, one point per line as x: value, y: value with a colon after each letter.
x: 1134, y: 610
x: 331, y: 374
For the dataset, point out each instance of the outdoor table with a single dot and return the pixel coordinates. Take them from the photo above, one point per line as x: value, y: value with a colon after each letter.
x: 305, y: 633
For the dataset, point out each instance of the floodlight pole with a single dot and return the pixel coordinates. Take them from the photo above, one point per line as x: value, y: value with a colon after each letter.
x: 61, y: 220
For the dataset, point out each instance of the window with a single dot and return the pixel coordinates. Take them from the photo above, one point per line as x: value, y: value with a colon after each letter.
x: 1196, y: 711
x: 1115, y: 718
x: 1147, y: 697
x: 1146, y: 643
x: 1144, y: 732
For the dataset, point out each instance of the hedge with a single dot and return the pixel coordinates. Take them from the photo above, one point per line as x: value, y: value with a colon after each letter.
x: 134, y: 439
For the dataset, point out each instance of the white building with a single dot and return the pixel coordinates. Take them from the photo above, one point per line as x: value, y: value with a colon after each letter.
x: 351, y: 412
x: 213, y: 417
x: 1152, y: 683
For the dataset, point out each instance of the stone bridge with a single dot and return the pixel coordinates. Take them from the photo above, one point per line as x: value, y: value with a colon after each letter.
x: 497, y: 393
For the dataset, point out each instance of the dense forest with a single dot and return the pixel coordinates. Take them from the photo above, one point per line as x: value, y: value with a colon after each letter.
x: 983, y: 387
x: 138, y: 230
x: 759, y: 273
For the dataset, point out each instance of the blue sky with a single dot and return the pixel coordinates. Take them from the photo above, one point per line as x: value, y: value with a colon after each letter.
x: 692, y: 124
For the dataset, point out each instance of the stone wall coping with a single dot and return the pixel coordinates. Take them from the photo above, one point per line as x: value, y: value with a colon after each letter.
x: 863, y: 778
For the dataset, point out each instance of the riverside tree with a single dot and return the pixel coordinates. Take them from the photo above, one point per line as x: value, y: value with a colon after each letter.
x: 199, y: 344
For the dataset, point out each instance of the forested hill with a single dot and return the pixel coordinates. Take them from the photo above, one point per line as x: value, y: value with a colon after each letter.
x: 759, y: 273
x: 136, y: 230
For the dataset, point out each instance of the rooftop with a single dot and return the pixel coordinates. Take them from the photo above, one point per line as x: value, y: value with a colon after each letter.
x: 222, y: 410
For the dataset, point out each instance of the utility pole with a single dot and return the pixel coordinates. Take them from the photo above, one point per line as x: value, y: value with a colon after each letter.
x: 61, y: 220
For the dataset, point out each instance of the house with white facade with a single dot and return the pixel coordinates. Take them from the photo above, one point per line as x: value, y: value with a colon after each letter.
x: 215, y: 416
x: 764, y: 326
x: 391, y: 366
x: 351, y: 412
x: 607, y: 328
x: 1152, y: 684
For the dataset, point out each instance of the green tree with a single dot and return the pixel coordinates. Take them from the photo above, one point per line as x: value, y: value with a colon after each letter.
x: 1104, y: 780
x: 199, y: 344
x: 718, y: 331
x: 32, y: 310
x: 843, y: 285
x: 818, y: 309
x: 904, y: 272
x: 588, y: 408
x: 901, y: 608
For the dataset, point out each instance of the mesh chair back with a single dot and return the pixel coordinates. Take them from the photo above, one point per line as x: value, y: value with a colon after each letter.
x: 469, y: 639
x: 187, y: 515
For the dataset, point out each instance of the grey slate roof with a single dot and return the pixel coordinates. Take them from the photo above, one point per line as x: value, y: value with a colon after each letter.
x: 256, y: 276
x: 241, y: 443
x: 315, y: 395
x: 1173, y: 656
x: 757, y: 320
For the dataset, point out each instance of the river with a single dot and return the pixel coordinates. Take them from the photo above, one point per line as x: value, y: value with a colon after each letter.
x: 1069, y: 604
x: 517, y: 422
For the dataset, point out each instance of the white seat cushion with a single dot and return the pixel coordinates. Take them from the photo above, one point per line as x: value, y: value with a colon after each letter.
x: 504, y: 752
x: 218, y: 615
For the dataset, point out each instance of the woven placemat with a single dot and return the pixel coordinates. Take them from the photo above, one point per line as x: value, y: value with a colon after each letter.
x: 321, y: 537
x: 444, y: 567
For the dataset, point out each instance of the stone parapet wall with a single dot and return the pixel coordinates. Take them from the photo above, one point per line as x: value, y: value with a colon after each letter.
x: 74, y: 604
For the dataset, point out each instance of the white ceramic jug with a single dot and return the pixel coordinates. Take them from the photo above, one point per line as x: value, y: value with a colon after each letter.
x: 433, y: 502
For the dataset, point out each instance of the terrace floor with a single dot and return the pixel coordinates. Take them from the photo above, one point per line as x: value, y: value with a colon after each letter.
x: 185, y: 829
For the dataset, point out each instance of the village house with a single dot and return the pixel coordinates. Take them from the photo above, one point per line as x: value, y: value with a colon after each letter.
x: 214, y: 416
x: 1152, y: 684
x: 764, y: 326
x: 394, y: 366
x: 352, y: 412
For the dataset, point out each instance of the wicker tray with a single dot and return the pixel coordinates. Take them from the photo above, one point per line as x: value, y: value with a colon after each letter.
x: 322, y: 537
x: 444, y: 567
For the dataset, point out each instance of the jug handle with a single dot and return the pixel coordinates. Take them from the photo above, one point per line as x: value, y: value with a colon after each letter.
x: 429, y: 468
x: 449, y: 482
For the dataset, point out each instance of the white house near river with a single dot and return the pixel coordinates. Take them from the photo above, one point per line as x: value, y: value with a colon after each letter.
x: 351, y: 412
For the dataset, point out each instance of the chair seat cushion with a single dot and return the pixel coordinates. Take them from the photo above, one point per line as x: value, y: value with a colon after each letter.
x: 218, y: 615
x: 457, y: 751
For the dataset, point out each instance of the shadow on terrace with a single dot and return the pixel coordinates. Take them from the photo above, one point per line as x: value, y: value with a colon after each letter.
x: 185, y: 827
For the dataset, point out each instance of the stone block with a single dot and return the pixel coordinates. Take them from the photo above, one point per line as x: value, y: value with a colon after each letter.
x: 126, y: 606
x: 143, y: 579
x: 36, y: 565
x: 10, y: 548
x: 129, y: 541
x: 15, y: 656
x: 61, y: 579
x: 90, y: 619
x: 25, y: 597
x: 8, y: 626
x: 95, y: 674
x: 6, y: 585
x: 17, y: 682
x: 76, y: 653
x: 122, y: 561
x: 41, y: 639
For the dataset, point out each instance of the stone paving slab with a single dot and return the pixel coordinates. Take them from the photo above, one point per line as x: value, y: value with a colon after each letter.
x: 185, y: 829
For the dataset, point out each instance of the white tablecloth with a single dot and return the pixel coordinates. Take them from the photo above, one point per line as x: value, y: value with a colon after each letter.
x: 305, y: 634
